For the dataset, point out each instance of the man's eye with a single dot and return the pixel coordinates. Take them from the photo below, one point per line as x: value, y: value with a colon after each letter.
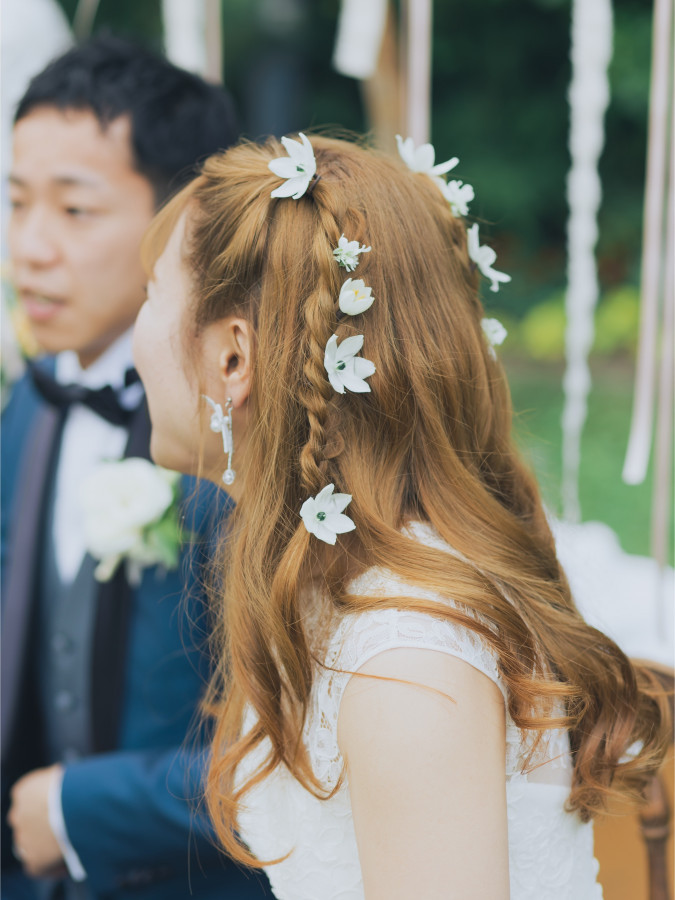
x: 77, y: 212
x: 16, y: 204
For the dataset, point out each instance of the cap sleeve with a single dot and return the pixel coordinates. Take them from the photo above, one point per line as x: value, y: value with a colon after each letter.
x: 358, y: 638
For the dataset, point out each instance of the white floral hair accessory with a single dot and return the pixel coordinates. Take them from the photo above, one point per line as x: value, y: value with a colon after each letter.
x: 421, y: 159
x: 130, y: 514
x: 347, y: 253
x: 355, y: 297
x: 345, y: 369
x: 458, y: 195
x: 298, y: 168
x: 495, y: 334
x: 484, y: 257
x: 323, y: 514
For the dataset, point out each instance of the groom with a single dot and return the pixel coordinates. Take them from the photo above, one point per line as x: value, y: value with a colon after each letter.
x: 101, y: 680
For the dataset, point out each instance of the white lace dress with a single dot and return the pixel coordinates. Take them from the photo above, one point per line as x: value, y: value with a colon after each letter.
x: 550, y: 850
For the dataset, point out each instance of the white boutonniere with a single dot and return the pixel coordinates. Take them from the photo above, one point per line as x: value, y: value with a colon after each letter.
x: 422, y: 159
x: 298, y: 168
x: 323, y: 514
x: 131, y: 515
x: 484, y: 257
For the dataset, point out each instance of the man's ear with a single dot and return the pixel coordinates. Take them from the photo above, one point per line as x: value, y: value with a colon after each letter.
x: 235, y: 359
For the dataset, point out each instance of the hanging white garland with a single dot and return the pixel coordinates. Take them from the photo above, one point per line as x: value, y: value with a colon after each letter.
x: 588, y: 96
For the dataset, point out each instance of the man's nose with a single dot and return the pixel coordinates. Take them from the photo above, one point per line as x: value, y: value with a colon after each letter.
x: 33, y: 240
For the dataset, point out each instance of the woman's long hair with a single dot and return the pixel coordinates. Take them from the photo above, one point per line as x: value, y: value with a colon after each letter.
x: 432, y: 443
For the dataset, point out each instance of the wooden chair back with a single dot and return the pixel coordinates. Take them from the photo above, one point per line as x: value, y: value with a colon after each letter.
x: 636, y: 852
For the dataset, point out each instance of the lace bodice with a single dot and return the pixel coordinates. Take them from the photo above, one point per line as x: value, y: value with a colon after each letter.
x: 550, y: 850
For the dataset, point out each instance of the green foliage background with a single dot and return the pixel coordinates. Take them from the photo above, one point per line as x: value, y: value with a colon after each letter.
x: 501, y: 73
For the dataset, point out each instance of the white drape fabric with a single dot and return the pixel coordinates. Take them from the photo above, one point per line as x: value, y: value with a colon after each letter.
x: 359, y: 36
x: 185, y: 33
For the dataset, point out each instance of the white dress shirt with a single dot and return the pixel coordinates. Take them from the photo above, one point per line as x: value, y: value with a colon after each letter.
x: 87, y: 440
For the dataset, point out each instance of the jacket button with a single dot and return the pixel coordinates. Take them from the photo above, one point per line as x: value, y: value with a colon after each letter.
x: 64, y: 701
x: 61, y: 643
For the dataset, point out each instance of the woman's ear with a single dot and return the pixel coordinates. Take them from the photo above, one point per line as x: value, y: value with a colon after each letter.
x: 235, y: 360
x: 230, y: 346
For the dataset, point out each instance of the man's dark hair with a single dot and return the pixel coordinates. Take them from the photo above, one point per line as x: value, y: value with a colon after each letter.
x: 177, y: 119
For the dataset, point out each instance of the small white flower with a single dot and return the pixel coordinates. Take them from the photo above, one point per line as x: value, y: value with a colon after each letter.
x: 422, y: 158
x: 458, y: 195
x: 323, y: 516
x: 484, y: 257
x: 345, y: 369
x: 355, y: 297
x: 299, y: 167
x: 495, y: 333
x: 347, y: 253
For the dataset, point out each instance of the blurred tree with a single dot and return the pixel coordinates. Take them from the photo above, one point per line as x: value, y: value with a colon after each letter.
x: 501, y: 73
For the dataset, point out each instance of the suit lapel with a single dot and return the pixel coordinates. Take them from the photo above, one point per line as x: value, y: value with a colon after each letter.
x: 23, y: 554
x: 111, y: 628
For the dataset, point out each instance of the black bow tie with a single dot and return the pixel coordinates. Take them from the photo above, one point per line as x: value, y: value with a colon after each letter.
x: 103, y: 401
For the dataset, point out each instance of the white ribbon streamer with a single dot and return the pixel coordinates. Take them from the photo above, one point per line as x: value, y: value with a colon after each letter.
x: 640, y: 440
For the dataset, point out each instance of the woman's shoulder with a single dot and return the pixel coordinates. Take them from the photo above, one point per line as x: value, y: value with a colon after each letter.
x: 359, y: 636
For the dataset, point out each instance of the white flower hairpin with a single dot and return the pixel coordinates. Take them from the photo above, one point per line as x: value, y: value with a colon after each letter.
x: 355, y: 297
x: 345, y: 369
x: 422, y: 158
x: 495, y: 334
x: 298, y: 168
x: 484, y: 257
x: 458, y: 195
x: 347, y: 253
x: 323, y: 514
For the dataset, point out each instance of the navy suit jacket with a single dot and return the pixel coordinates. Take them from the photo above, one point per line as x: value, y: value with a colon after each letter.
x: 131, y: 809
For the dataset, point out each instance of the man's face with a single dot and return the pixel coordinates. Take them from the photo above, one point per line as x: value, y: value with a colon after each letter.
x: 79, y: 210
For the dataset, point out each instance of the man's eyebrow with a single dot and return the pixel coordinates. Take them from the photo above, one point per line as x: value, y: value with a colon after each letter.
x: 61, y: 181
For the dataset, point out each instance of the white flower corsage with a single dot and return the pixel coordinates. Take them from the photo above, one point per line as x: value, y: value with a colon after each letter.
x: 355, y: 297
x: 347, y: 253
x: 323, y: 514
x: 458, y: 195
x: 495, y: 334
x: 131, y: 514
x: 345, y: 369
x: 421, y: 159
x: 298, y: 168
x: 484, y: 257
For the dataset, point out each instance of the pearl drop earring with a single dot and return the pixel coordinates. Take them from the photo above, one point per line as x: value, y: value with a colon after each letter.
x: 221, y: 423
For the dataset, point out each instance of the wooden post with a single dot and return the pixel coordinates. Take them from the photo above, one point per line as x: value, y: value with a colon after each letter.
x: 416, y: 20
x: 382, y: 91
x: 214, y: 41
x: 655, y: 828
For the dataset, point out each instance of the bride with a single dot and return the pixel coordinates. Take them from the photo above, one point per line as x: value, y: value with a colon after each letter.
x: 407, y: 702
